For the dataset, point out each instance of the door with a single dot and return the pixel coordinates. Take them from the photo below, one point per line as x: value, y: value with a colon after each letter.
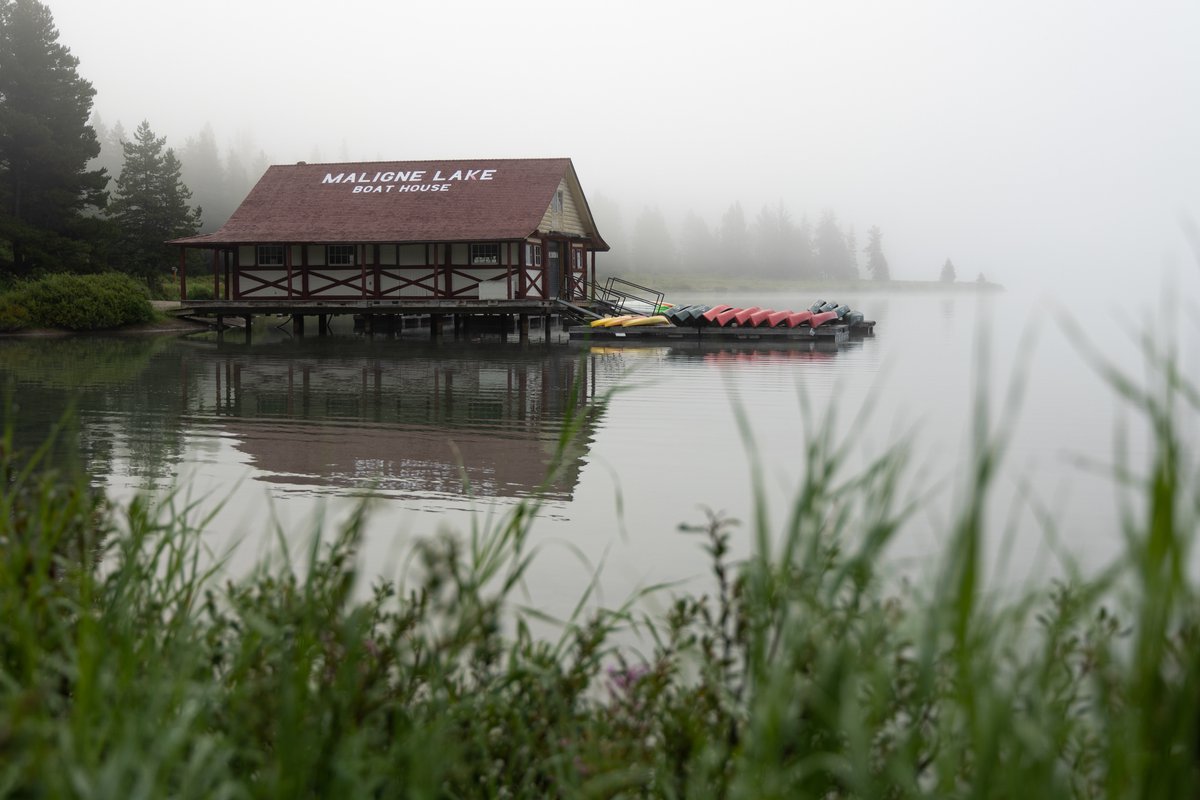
x: 553, y: 269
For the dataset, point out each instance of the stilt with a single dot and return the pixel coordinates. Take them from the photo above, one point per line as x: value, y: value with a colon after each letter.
x: 435, y: 326
x: 298, y: 325
x: 220, y: 328
x: 523, y: 328
x: 323, y: 324
x: 504, y: 319
x: 248, y: 319
x: 545, y: 327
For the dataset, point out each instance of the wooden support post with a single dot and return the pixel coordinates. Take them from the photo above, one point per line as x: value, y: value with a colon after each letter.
x: 248, y: 319
x: 545, y: 327
x: 220, y: 328
x: 504, y: 318
x: 298, y: 325
x: 523, y: 328
x: 435, y: 326
x: 182, y: 273
x: 216, y: 265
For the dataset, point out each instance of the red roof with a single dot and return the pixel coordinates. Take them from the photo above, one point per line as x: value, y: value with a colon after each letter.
x: 399, y: 201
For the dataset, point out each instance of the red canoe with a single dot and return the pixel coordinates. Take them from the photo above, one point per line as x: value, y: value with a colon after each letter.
x: 759, y: 317
x: 777, y: 318
x: 726, y: 316
x: 799, y: 318
x: 743, y: 316
x: 712, y: 313
x: 820, y: 319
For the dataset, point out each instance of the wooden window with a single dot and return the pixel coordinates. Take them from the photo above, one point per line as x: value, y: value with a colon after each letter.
x: 340, y: 255
x: 533, y: 255
x: 556, y: 205
x: 270, y: 255
x: 485, y: 254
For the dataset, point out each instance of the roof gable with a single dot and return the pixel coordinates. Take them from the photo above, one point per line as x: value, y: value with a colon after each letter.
x: 397, y: 201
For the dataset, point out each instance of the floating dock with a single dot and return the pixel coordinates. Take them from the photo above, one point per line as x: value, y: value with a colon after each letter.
x: 826, y: 334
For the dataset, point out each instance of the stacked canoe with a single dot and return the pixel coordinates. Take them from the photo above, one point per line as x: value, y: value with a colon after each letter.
x: 725, y: 316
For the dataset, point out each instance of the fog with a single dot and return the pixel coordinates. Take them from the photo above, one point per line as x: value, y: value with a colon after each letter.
x: 1043, y: 144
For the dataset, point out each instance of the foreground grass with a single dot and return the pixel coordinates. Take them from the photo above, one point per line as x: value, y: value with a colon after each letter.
x: 128, y: 671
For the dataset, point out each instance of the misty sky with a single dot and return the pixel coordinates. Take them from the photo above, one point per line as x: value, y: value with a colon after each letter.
x: 1039, y: 142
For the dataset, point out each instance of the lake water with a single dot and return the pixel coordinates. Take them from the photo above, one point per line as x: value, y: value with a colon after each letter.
x: 284, y: 432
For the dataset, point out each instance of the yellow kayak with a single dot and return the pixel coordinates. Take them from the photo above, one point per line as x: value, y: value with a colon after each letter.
x: 657, y: 319
x: 613, y: 321
x: 599, y: 323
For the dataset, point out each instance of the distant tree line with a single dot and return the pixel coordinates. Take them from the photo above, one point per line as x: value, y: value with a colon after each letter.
x: 772, y: 244
x: 78, y: 196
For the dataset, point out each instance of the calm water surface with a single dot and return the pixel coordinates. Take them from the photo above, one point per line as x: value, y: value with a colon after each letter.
x: 283, y: 433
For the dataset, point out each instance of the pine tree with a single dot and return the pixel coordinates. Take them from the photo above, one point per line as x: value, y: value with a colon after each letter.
x: 777, y: 241
x: 949, y: 274
x: 877, y: 264
x: 852, y: 249
x: 829, y: 245
x: 45, y: 146
x: 205, y: 176
x: 151, y: 206
x: 653, y: 248
x: 806, y: 258
x: 698, y: 246
x: 734, y: 240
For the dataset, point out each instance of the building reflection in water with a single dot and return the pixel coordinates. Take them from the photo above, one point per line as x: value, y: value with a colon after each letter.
x: 411, y: 421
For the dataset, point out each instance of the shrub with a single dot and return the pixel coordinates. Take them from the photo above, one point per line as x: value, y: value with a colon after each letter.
x: 85, y: 302
x: 200, y: 292
x: 14, y: 315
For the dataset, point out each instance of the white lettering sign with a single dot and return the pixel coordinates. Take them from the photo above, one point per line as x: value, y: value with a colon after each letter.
x: 411, y: 181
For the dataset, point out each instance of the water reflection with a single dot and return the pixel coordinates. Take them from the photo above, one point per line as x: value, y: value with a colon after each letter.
x: 398, y: 417
x: 118, y: 397
x: 315, y: 415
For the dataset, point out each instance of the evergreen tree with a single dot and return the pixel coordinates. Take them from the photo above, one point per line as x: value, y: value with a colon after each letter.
x: 45, y: 146
x: 852, y: 249
x: 698, y: 246
x: 948, y: 272
x: 806, y: 257
x: 205, y: 176
x: 151, y: 206
x: 653, y: 248
x: 734, y: 236
x: 112, y: 148
x: 877, y: 264
x: 778, y: 242
x: 829, y: 245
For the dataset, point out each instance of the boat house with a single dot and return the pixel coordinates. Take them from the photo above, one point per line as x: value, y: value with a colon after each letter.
x: 406, y: 233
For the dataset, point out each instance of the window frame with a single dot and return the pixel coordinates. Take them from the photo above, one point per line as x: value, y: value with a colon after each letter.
x: 260, y: 261
x: 533, y: 254
x: 484, y: 254
x: 341, y: 249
